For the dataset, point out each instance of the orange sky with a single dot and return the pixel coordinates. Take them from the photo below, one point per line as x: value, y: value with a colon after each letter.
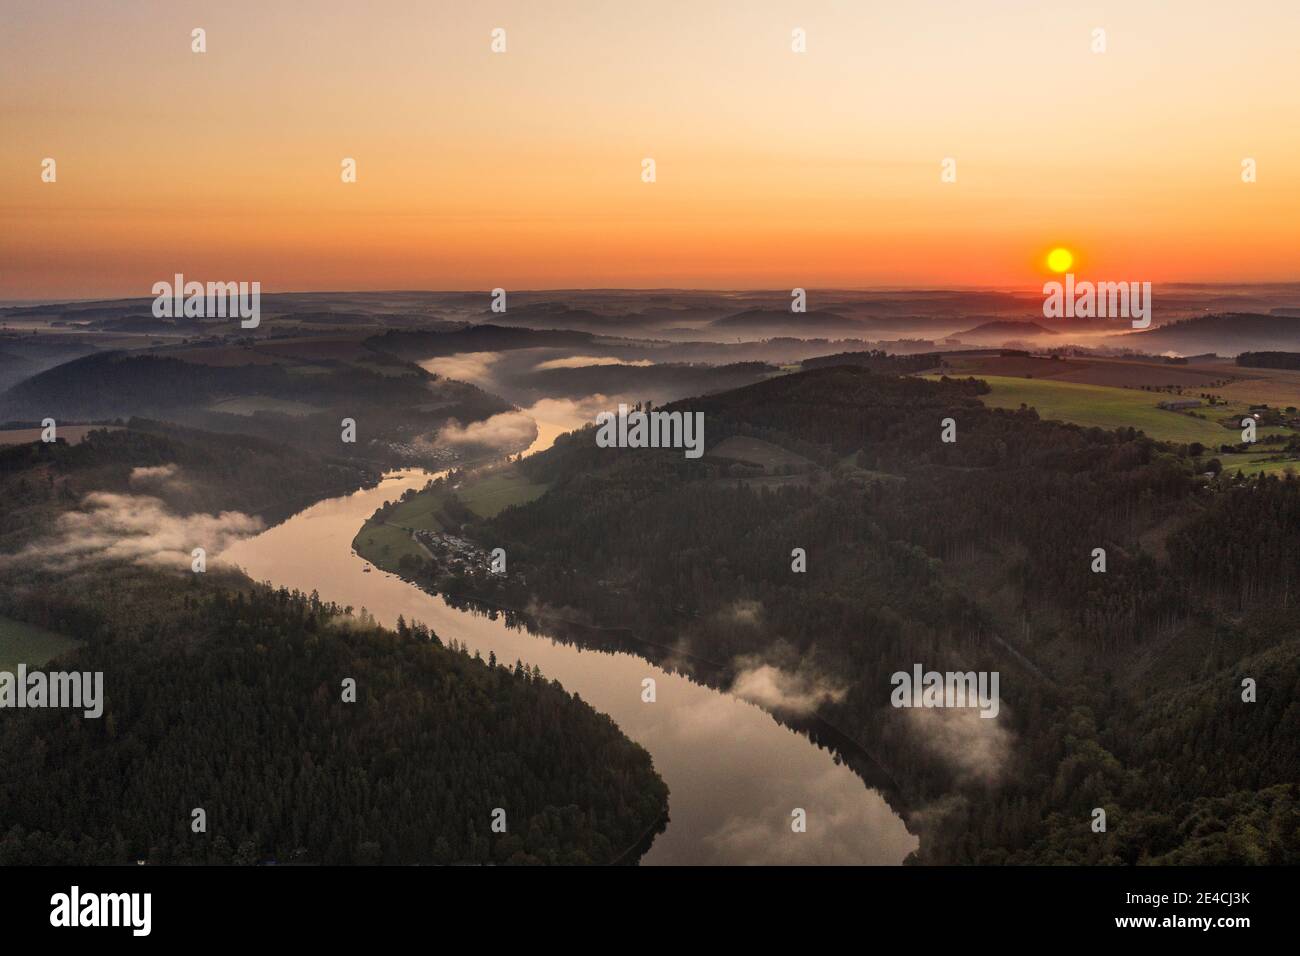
x: 522, y: 169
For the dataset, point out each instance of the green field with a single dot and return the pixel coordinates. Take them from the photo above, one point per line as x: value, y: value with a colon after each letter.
x: 384, y: 544
x: 24, y: 644
x: 1105, y: 407
x: 419, y: 511
x: 1256, y: 464
x: 485, y: 495
x: 489, y: 496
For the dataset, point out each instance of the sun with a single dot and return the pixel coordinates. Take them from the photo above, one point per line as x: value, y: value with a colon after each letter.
x: 1059, y: 259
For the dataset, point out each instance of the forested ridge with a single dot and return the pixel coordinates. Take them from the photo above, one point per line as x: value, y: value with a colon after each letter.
x: 231, y: 701
x: 205, y: 472
x: 391, y: 401
x: 1120, y: 689
x: 229, y: 696
x: 1269, y: 360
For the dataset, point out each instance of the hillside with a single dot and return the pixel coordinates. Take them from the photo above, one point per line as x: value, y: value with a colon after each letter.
x: 228, y: 696
x: 644, y: 381
x: 296, y: 392
x: 966, y: 556
x: 1225, y: 333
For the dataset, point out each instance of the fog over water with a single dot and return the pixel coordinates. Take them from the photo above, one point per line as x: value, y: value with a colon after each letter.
x: 734, y: 773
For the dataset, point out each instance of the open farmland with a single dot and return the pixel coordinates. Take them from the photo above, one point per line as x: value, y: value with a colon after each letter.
x: 1103, y: 407
x: 1277, y: 387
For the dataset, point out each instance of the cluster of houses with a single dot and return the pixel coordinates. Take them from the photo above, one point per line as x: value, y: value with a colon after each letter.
x: 422, y: 453
x: 451, y: 548
x: 1262, y: 413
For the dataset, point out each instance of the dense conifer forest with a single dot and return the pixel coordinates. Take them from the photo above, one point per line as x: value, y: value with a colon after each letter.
x: 1269, y: 359
x: 226, y: 696
x: 230, y: 699
x: 1121, y: 689
x: 294, y: 403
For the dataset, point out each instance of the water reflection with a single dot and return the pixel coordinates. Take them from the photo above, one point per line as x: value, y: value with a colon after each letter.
x: 734, y: 773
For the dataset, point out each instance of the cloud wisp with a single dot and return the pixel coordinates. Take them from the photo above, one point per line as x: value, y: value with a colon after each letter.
x: 137, y: 529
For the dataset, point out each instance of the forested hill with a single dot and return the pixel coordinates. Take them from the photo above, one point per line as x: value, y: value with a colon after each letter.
x: 1225, y: 333
x: 226, y: 696
x: 231, y: 700
x: 1287, y: 360
x: 1120, y: 690
x: 419, y: 345
x: 187, y: 470
x: 396, y: 406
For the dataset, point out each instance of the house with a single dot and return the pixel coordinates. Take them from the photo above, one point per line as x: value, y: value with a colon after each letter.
x: 1178, y: 404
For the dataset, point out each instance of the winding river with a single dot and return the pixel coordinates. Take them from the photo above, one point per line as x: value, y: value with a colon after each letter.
x: 734, y: 773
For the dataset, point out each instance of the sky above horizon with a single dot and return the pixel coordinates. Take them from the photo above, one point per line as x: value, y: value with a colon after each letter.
x: 523, y: 169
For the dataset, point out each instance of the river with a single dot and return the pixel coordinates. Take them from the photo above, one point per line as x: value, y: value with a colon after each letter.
x: 734, y: 773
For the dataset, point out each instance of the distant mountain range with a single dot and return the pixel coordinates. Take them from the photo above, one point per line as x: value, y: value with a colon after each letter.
x: 1225, y: 333
x: 1003, y: 329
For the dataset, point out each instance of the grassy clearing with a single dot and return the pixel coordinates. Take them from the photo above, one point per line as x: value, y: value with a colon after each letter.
x: 493, y: 493
x: 1105, y: 407
x: 486, y: 495
x: 384, y: 544
x: 251, y: 404
x: 24, y: 644
x: 1255, y: 464
x: 758, y: 452
x: 420, y: 511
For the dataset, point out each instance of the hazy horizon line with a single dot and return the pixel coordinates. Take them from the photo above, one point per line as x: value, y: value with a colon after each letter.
x: 659, y: 290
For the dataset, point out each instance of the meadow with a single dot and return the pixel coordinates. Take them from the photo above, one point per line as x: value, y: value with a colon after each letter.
x: 384, y: 545
x: 1104, y: 407
x: 25, y: 644
x: 486, y: 493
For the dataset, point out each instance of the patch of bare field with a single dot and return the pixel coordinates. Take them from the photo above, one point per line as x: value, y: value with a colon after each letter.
x: 1280, y: 388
